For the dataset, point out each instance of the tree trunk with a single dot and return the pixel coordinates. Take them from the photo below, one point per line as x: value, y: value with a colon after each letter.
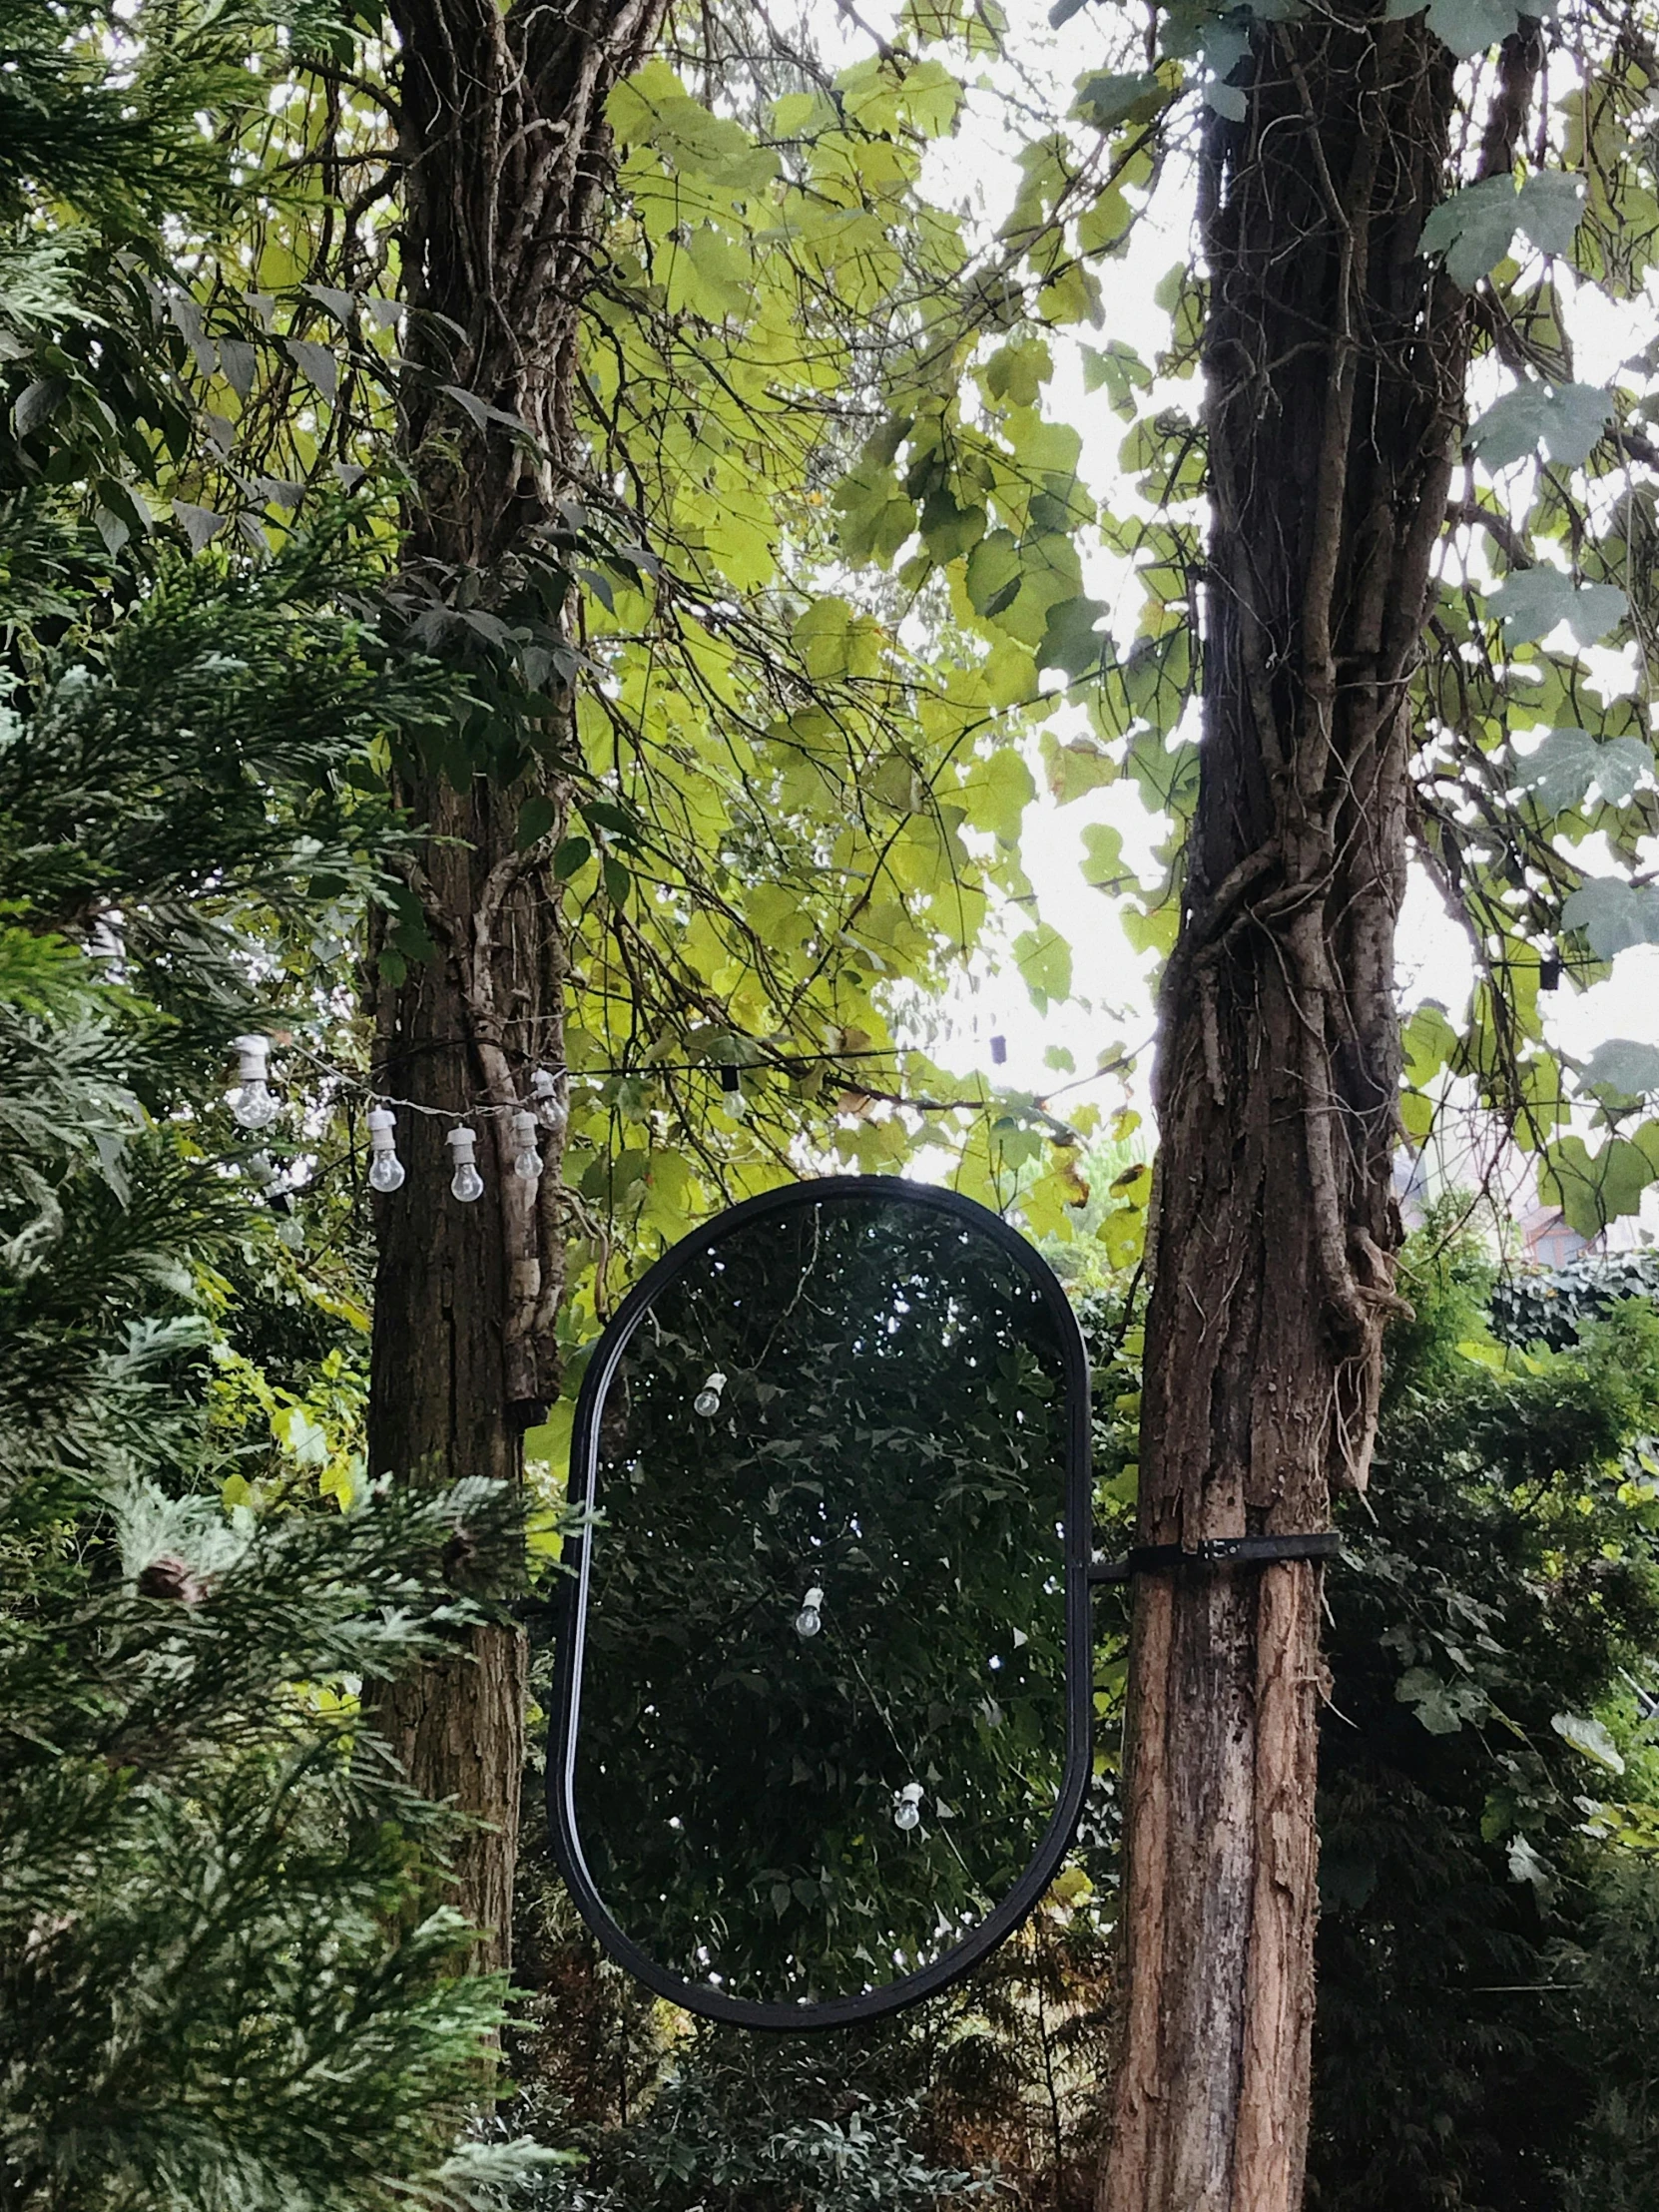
x: 1335, y: 363
x: 507, y: 159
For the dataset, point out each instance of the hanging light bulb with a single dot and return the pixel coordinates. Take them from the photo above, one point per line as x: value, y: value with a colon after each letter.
x: 251, y: 1102
x: 545, y: 1102
x: 707, y: 1400
x: 906, y: 1805
x: 385, y: 1169
x: 290, y: 1230
x: 731, y: 1093
x: 809, y: 1619
x: 466, y: 1183
x: 259, y: 1170
x: 526, y: 1159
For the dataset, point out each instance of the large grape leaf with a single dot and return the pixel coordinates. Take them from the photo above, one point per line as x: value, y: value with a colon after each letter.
x: 1566, y: 419
x: 1614, y: 914
x: 1571, y: 762
x: 1624, y: 1065
x: 1532, y: 601
x: 1473, y: 228
x: 1588, y: 1737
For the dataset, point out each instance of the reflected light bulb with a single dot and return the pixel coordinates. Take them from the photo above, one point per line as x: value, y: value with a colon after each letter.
x: 466, y: 1184
x: 385, y: 1169
x: 526, y: 1159
x: 251, y: 1102
x: 809, y: 1620
x: 906, y: 1805
x: 707, y: 1400
x: 290, y: 1230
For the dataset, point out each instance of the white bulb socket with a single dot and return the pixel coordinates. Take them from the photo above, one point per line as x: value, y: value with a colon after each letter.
x: 526, y: 1159
x: 385, y: 1169
x: 466, y: 1184
x: 251, y: 1103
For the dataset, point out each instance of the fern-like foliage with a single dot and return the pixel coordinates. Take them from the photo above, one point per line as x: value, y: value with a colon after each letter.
x: 228, y: 1982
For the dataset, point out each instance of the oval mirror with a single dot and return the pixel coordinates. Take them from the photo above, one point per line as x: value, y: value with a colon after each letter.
x: 822, y: 1707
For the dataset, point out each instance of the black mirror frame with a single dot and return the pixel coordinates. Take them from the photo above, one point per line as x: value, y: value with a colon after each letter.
x: 868, y: 2004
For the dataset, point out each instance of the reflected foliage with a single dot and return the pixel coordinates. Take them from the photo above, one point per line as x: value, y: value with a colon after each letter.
x: 889, y: 1430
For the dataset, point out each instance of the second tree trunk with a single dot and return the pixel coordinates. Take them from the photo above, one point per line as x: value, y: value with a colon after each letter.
x: 1333, y: 359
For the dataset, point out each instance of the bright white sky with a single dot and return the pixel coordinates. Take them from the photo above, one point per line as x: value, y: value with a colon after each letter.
x: 1115, y: 1003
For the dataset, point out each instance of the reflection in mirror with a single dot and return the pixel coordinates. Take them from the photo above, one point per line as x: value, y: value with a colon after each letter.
x: 823, y: 1697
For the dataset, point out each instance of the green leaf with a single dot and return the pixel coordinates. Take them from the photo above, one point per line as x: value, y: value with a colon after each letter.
x: 341, y: 305
x: 1226, y: 43
x: 1077, y: 769
x: 1532, y: 601
x: 834, y: 642
x: 1470, y: 27
x: 200, y: 524
x: 1613, y: 915
x: 1105, y: 100
x: 1590, y: 1738
x: 1593, y: 1189
x: 1623, y: 1064
x: 1525, y: 1865
x: 1429, y: 1042
x: 893, y: 782
x: 1043, y: 958
x: 1151, y: 928
x: 1071, y: 642
x: 996, y: 793
x: 1551, y: 205
x: 1017, y: 371
x: 38, y: 403
x: 535, y: 819
x: 1118, y: 370
x: 1442, y: 1707
x: 1472, y: 229
x: 1103, y: 864
x: 315, y: 364
x: 994, y: 573
x: 238, y: 361
x: 1571, y: 762
x: 949, y: 531
x: 569, y: 855
x: 1566, y: 419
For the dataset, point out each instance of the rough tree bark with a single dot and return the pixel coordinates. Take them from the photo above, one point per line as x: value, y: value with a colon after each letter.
x: 1334, y: 361
x: 507, y: 159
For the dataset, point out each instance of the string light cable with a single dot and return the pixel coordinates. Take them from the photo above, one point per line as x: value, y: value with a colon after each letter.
x: 256, y: 1106
x: 547, y: 1106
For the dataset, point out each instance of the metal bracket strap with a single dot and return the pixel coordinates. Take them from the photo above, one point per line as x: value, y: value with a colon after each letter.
x: 1216, y: 1551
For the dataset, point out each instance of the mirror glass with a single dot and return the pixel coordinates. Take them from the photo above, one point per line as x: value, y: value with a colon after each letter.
x: 822, y: 1698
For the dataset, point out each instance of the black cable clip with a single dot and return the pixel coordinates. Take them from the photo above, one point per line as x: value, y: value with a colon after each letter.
x: 1216, y: 1551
